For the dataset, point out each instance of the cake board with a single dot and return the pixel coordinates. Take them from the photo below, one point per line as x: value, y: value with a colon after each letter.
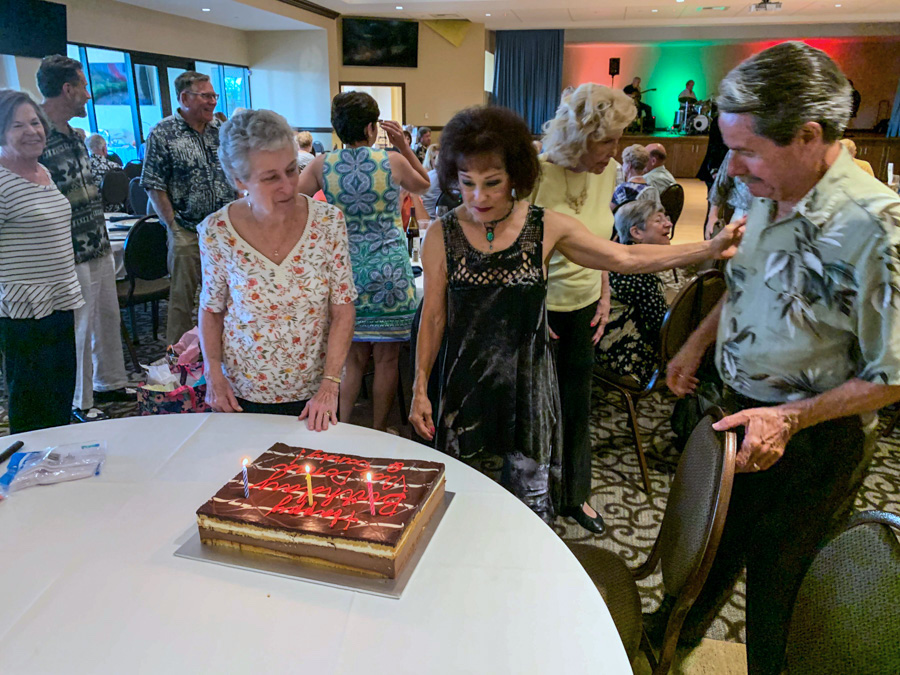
x: 194, y: 549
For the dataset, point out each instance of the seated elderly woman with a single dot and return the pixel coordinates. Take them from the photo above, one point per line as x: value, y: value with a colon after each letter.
x: 101, y: 164
x: 630, y: 345
x: 277, y: 296
x: 861, y: 163
x: 634, y: 163
x: 305, y: 152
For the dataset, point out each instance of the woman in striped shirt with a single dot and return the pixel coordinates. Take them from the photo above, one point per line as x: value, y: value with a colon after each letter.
x: 38, y: 286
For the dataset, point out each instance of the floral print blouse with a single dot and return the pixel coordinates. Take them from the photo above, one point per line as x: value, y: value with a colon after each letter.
x: 276, y: 316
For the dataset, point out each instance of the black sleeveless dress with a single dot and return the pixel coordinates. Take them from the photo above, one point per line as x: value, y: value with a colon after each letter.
x: 498, y: 392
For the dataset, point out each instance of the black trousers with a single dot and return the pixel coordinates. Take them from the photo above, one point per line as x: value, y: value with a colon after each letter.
x: 39, y: 364
x: 293, y: 408
x: 644, y: 110
x: 777, y: 520
x: 574, y: 365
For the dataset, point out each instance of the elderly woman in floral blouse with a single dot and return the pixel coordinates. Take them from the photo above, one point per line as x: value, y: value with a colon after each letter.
x: 277, y: 296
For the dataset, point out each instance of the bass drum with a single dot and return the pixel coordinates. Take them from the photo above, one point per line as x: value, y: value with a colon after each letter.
x: 700, y: 124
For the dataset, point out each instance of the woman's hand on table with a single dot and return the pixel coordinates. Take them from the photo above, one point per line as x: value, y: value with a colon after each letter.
x: 321, y: 409
x: 420, y: 416
x: 725, y: 244
x: 219, y: 394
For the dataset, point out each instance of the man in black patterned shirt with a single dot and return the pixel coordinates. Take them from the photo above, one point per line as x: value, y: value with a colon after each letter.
x: 185, y: 181
x: 98, y: 346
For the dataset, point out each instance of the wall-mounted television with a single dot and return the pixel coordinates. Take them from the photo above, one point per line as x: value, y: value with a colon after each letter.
x: 32, y: 28
x: 388, y: 43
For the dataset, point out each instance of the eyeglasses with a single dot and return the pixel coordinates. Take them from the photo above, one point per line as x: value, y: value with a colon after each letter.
x: 212, y: 98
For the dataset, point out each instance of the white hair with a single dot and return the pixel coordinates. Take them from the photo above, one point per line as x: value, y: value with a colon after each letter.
x: 786, y: 86
x: 636, y: 156
x: 248, y: 131
x: 590, y: 112
x: 94, y: 142
x: 634, y: 214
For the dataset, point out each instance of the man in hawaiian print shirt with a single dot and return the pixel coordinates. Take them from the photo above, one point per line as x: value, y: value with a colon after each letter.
x: 100, y: 374
x: 807, y: 336
x: 185, y: 182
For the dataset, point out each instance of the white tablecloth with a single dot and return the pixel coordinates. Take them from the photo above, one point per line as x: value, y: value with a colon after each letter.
x: 90, y: 584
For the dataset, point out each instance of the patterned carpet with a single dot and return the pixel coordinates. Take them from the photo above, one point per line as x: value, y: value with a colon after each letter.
x: 631, y: 516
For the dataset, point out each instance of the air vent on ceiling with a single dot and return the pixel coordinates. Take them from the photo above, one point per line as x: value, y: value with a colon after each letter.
x: 445, y: 17
x: 765, y: 6
x: 719, y: 8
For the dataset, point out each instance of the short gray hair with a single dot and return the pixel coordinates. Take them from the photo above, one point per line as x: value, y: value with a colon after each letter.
x: 590, y: 112
x: 93, y: 143
x: 634, y: 214
x: 187, y: 79
x: 248, y: 131
x: 786, y: 86
x: 636, y: 156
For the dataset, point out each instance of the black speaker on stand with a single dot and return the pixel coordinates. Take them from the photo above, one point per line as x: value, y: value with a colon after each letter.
x: 613, y: 70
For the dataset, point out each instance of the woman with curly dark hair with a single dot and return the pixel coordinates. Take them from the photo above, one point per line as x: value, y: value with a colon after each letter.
x: 485, y: 291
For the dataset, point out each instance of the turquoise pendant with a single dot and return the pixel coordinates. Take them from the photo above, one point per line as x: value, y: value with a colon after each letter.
x: 490, y: 236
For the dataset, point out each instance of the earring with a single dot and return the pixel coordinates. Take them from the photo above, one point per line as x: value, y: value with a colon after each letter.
x: 246, y: 193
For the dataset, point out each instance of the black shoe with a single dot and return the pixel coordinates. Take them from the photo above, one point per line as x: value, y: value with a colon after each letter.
x: 115, y: 396
x: 595, y: 525
x: 91, y: 415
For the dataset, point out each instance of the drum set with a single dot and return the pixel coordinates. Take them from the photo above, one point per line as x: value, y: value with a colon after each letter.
x: 693, y: 117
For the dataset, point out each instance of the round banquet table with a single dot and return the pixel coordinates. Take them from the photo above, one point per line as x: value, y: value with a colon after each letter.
x: 91, y: 585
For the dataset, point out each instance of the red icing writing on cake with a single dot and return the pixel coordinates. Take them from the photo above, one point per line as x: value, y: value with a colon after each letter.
x: 289, y: 478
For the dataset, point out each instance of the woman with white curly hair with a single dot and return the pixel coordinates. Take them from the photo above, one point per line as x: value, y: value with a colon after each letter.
x: 578, y: 176
x: 276, y: 305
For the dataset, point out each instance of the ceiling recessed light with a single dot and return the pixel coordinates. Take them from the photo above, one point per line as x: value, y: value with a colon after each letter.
x: 487, y: 14
x: 205, y: 9
x: 654, y: 10
x: 398, y: 7
x: 679, y: 0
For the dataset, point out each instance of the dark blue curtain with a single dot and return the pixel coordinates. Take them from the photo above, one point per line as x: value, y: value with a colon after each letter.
x: 894, y: 125
x: 528, y: 73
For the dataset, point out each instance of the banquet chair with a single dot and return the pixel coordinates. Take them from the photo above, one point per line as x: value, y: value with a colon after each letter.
x: 687, y: 310
x: 845, y: 618
x: 133, y: 169
x: 684, y: 548
x: 672, y: 200
x: 137, y: 197
x: 114, y: 187
x: 146, y: 275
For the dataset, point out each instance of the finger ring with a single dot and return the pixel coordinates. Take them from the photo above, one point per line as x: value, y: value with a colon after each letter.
x: 755, y: 466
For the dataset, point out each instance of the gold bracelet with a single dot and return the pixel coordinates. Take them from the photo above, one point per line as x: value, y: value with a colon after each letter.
x: 334, y: 379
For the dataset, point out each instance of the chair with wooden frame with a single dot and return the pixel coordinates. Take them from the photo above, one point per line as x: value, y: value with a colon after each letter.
x: 690, y: 306
x: 684, y: 548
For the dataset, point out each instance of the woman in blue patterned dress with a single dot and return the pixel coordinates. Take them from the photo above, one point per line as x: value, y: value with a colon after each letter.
x: 365, y: 183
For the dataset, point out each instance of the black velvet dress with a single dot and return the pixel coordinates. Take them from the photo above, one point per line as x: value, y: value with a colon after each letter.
x: 498, y: 385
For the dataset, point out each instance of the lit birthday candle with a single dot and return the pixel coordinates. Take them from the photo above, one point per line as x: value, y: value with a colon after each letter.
x: 371, y: 496
x: 308, y: 485
x: 244, y: 463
